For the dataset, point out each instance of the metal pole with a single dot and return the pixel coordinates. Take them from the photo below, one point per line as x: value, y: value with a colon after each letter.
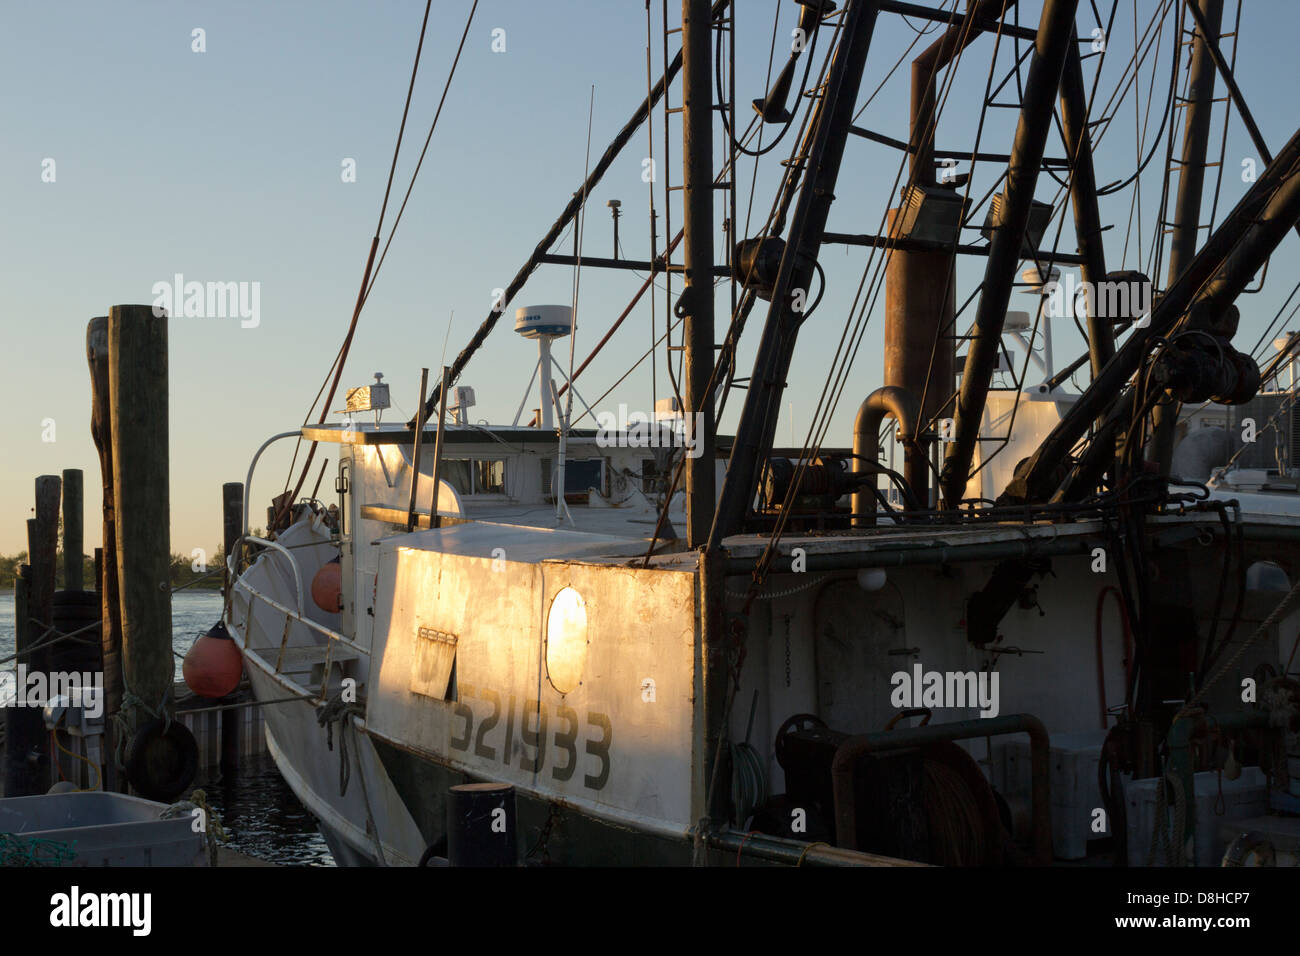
x: 758, y: 417
x: 695, y: 306
x: 1055, y: 32
x: 925, y: 69
x: 1083, y: 197
x: 1226, y: 263
x: 435, y: 520
x: 420, y: 417
x: 570, y: 211
x: 1191, y: 182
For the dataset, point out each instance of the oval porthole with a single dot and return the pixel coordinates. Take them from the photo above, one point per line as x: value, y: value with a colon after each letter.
x: 566, y: 640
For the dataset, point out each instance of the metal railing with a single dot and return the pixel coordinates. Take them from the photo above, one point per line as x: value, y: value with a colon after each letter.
x: 290, y: 614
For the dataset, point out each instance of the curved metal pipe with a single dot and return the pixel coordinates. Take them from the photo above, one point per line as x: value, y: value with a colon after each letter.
x: 903, y: 406
x: 853, y: 749
x: 926, y: 68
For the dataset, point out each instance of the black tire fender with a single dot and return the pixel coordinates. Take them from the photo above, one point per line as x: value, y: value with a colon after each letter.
x: 161, y: 760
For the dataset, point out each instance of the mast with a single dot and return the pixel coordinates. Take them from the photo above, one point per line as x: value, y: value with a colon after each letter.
x: 695, y: 307
x: 539, y: 253
x: 1083, y: 198
x: 1217, y: 274
x: 1055, y: 31
x: 1191, y: 183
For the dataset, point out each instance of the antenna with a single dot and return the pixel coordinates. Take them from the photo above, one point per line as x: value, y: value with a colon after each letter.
x: 613, y: 205
x: 545, y: 323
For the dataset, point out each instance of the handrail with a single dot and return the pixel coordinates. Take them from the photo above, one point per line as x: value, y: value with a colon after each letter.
x: 293, y: 562
x: 248, y: 482
x: 237, y: 579
x: 289, y: 612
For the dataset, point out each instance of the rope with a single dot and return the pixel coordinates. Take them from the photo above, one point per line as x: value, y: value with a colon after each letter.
x: 131, y: 700
x: 1283, y: 608
x: 956, y: 828
x: 41, y: 642
x: 337, y: 711
x: 1160, y: 836
x: 213, y: 831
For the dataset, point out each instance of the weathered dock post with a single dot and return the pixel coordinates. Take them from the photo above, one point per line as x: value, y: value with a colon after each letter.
x: 34, y: 622
x: 24, y: 729
x: 137, y: 392
x: 111, y: 609
x: 101, y: 430
x: 75, y: 611
x: 73, y: 535
x: 42, y: 553
x: 232, y: 527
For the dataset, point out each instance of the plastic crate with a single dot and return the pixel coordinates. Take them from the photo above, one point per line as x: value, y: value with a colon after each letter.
x: 105, y: 829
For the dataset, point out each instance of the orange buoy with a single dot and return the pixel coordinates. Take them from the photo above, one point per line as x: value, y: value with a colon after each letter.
x: 213, y: 666
x: 327, y: 587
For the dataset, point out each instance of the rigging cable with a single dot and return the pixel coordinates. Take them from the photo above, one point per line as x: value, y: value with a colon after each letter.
x: 340, y: 359
x: 854, y: 327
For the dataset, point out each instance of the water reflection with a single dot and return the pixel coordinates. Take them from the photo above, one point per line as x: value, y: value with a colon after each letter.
x: 262, y: 817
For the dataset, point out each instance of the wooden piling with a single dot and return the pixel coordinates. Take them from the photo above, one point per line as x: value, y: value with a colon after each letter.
x: 42, y: 554
x: 24, y: 727
x: 137, y: 390
x: 232, y: 524
x: 111, y: 614
x: 232, y: 527
x: 73, y: 537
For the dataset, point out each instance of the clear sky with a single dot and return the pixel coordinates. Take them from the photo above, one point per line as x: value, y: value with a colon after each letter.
x: 226, y: 165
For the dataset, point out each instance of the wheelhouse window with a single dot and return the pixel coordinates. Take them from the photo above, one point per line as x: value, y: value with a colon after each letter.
x: 651, y: 481
x: 490, y: 477
x: 474, y: 476
x: 581, y: 474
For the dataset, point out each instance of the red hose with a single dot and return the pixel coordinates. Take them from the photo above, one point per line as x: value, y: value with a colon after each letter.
x: 1128, y: 646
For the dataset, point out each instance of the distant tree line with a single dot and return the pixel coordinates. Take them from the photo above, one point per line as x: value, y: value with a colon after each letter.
x: 183, y: 570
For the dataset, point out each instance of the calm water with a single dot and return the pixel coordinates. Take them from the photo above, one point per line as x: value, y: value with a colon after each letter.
x: 260, y: 813
x: 193, y: 612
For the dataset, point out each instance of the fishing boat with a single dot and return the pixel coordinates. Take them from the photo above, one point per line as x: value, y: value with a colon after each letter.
x: 1063, y: 629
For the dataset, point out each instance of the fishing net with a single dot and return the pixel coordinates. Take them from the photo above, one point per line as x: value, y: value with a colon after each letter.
x: 34, y: 851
